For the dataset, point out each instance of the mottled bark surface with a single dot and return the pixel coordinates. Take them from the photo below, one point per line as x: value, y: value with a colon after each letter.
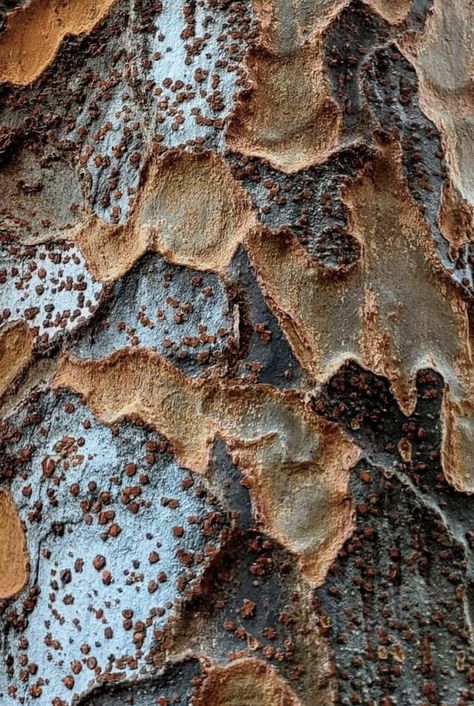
x: 236, y: 383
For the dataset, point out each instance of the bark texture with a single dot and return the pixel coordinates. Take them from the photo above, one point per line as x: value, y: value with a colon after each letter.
x: 236, y: 380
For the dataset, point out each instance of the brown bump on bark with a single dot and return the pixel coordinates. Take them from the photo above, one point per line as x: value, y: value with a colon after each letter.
x: 16, y: 347
x: 13, y: 557
x: 34, y: 32
x: 245, y: 681
x: 405, y: 450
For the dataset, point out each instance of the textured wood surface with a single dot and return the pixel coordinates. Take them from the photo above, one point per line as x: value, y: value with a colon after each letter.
x: 236, y: 380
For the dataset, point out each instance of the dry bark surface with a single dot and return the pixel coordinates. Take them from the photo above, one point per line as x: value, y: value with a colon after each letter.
x: 236, y: 376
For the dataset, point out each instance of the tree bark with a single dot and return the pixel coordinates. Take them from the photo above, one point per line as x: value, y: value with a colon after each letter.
x: 236, y: 382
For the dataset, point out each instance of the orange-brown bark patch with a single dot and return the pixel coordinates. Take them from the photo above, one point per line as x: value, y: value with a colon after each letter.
x: 34, y: 32
x: 13, y: 557
x: 16, y: 348
x: 110, y: 250
x: 455, y: 218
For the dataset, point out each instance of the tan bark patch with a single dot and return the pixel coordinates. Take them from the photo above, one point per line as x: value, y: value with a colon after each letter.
x: 319, y: 314
x: 289, y: 118
x: 394, y: 11
x: 34, y: 32
x: 110, y: 250
x: 287, y: 24
x: 195, y: 211
x: 191, y: 210
x: 297, y: 464
x: 419, y: 317
x: 458, y: 442
x: 243, y: 682
x: 13, y: 558
x: 392, y: 311
x: 16, y: 348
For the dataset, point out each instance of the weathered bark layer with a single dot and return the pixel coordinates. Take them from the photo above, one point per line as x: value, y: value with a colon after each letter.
x: 236, y: 381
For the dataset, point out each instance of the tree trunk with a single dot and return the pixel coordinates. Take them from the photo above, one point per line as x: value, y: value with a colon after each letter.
x: 236, y: 383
